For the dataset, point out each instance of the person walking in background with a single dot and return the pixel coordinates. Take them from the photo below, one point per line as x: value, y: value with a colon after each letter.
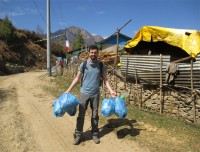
x: 91, y: 74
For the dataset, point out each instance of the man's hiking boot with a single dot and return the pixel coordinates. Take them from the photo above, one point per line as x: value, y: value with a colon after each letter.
x: 77, y: 140
x: 95, y: 139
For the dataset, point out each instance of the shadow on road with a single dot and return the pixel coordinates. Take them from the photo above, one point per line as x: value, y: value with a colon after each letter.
x: 123, y: 127
x: 3, y: 95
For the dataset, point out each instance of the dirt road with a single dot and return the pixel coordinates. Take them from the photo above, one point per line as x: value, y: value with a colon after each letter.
x: 27, y: 123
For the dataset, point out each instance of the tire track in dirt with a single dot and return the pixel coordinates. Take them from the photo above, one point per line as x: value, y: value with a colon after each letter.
x: 39, y: 130
x: 38, y: 110
x: 13, y: 135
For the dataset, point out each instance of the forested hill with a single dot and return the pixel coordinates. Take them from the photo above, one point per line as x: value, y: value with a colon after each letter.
x: 20, y: 50
x: 23, y: 50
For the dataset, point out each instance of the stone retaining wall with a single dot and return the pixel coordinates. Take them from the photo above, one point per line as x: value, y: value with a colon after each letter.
x: 14, y: 68
x: 176, y: 102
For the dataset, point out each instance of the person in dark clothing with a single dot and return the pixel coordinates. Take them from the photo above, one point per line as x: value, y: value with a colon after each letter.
x: 90, y: 92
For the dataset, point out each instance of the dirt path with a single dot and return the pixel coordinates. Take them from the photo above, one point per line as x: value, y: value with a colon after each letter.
x: 27, y: 123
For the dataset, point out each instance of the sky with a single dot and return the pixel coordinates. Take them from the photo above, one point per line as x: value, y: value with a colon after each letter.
x: 102, y: 17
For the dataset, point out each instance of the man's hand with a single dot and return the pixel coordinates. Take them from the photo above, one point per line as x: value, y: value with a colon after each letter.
x: 113, y: 93
x: 67, y: 91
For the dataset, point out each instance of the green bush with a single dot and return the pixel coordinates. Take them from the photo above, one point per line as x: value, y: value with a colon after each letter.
x: 7, y: 30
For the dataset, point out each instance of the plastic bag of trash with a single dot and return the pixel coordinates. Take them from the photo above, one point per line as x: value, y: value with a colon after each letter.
x: 65, y: 103
x: 53, y: 69
x: 120, y: 107
x: 68, y: 101
x: 108, y: 107
x: 57, y: 109
x: 71, y: 111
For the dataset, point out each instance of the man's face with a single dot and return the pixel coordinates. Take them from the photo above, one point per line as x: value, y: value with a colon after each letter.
x: 93, y: 54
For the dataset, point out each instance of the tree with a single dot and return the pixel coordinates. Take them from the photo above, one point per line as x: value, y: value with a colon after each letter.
x: 79, y: 42
x: 6, y: 30
x: 57, y: 49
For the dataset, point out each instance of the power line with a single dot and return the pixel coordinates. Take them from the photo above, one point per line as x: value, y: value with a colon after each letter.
x: 39, y: 12
x: 60, y: 10
x: 38, y: 40
x: 55, y: 15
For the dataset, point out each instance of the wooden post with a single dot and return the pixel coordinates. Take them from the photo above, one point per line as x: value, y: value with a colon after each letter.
x: 161, y: 100
x: 116, y: 55
x: 130, y: 92
x: 192, y: 88
x: 141, y: 97
x: 116, y: 59
x: 126, y: 71
x: 183, y: 59
x: 104, y: 89
x: 139, y: 102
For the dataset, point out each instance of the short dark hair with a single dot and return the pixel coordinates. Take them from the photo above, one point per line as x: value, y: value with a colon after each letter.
x: 93, y: 47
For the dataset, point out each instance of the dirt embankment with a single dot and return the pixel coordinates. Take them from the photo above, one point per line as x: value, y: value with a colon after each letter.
x: 28, y: 123
x: 25, y: 52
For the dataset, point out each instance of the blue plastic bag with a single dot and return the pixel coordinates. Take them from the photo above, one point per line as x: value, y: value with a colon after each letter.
x: 71, y: 111
x: 57, y: 109
x: 120, y: 107
x: 65, y: 103
x: 108, y: 107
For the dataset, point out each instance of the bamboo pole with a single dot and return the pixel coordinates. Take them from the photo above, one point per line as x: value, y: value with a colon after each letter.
x: 161, y: 100
x: 116, y: 59
x: 130, y: 92
x: 192, y: 87
x: 140, y: 103
x: 126, y: 71
x: 116, y: 54
x: 140, y: 97
x: 183, y: 59
x: 104, y: 88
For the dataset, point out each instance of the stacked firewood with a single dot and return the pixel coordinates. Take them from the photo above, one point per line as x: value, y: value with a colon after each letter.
x: 83, y: 56
x: 108, y: 58
x: 105, y: 57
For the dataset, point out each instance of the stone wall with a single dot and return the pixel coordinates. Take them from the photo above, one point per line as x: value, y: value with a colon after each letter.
x: 177, y: 102
x: 14, y: 68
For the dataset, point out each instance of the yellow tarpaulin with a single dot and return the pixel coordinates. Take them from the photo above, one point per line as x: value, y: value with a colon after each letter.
x: 188, y: 40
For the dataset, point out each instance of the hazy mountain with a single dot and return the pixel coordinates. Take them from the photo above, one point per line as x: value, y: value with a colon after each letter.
x: 72, y: 32
x: 97, y: 38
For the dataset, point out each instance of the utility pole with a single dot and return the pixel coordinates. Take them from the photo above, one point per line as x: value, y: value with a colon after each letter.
x: 48, y: 40
x: 116, y: 54
x: 117, y: 33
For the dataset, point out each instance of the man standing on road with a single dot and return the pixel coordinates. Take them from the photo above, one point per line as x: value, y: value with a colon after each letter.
x: 90, y: 92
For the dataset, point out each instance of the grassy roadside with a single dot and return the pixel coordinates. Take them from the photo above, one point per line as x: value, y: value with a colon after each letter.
x: 157, y: 132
